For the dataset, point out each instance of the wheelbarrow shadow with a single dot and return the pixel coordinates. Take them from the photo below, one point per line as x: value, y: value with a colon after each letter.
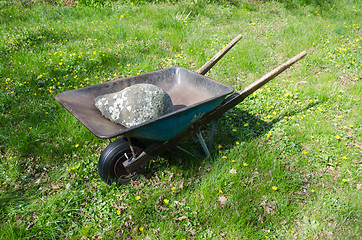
x: 235, y: 127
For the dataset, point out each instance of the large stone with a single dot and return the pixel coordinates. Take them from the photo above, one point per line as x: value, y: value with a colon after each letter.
x: 135, y: 104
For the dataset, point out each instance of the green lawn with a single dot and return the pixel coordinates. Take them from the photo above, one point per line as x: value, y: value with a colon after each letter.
x: 286, y: 161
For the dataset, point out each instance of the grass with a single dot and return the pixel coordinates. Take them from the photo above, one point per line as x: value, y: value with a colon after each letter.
x: 286, y: 161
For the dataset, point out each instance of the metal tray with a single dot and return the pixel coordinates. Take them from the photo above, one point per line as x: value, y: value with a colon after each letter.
x: 192, y: 94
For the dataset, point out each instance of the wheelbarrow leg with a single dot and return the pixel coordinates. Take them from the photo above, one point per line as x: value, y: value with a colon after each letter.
x: 185, y: 151
x: 203, y: 144
x: 212, y: 133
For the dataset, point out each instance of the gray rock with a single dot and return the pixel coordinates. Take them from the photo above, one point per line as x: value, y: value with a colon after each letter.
x: 135, y: 104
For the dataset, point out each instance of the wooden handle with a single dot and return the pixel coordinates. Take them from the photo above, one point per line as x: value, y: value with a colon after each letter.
x: 239, y: 96
x: 207, y: 66
x: 270, y: 75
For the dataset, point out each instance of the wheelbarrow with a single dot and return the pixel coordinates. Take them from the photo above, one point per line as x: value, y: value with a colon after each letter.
x: 198, y: 100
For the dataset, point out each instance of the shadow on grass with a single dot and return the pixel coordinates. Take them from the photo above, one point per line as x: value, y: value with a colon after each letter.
x: 229, y: 130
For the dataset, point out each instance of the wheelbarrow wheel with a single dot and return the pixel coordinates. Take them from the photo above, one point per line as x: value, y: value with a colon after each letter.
x: 110, y: 167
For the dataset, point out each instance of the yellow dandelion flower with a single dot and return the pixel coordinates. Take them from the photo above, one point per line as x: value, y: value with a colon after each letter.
x: 232, y: 161
x: 245, y: 164
x: 141, y: 229
x: 312, y: 191
x: 166, y: 201
x: 237, y: 143
x: 344, y: 157
x: 118, y: 212
x: 344, y: 180
x: 234, y: 130
x: 220, y: 191
x: 77, y: 145
x: 246, y: 124
x: 275, y: 188
x: 224, y: 157
x: 137, y: 198
x: 173, y: 188
x: 337, y: 136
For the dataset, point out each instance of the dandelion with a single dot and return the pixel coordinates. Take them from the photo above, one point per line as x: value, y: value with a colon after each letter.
x: 137, y: 198
x: 173, y: 188
x: 344, y: 180
x: 246, y: 124
x: 245, y: 164
x: 224, y: 157
x: 304, y: 152
x: 312, y: 191
x: 220, y: 146
x: 337, y: 137
x: 141, y: 229
x: 166, y: 201
x: 118, y: 212
x: 77, y: 145
x: 237, y: 143
x: 275, y: 188
x: 234, y: 130
x: 344, y: 158
x: 220, y: 191
x: 292, y: 231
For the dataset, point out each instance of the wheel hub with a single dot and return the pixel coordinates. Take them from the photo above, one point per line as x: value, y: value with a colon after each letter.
x: 119, y: 169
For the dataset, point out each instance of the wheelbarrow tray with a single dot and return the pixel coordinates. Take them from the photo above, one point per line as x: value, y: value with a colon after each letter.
x: 192, y: 94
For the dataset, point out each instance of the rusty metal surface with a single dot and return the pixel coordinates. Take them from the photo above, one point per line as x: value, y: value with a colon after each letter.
x: 186, y: 89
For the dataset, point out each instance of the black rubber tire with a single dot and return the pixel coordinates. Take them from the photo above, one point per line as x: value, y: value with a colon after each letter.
x: 110, y: 167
